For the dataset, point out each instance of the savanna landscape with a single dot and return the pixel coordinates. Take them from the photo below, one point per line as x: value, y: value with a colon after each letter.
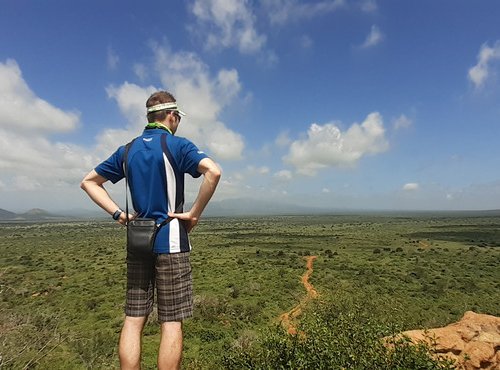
x: 271, y: 292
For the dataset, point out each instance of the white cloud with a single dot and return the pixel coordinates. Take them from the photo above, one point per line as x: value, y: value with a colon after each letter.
x: 264, y: 170
x: 283, y: 11
x: 34, y: 164
x: 17, y: 102
x: 373, y: 38
x: 113, y: 59
x: 283, y: 175
x: 29, y: 159
x: 325, y: 191
x: 327, y: 146
x: 203, y: 97
x: 480, y: 73
x: 45, y: 162
x: 411, y: 186
x: 131, y: 100
x: 402, y: 122
x: 227, y: 23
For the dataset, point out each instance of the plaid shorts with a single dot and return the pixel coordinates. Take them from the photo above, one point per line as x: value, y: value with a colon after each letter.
x: 171, y: 274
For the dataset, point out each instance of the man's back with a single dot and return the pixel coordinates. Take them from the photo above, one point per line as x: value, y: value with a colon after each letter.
x: 156, y: 164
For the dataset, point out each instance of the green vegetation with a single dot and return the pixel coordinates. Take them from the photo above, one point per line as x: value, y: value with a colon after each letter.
x: 62, y: 289
x: 341, y: 334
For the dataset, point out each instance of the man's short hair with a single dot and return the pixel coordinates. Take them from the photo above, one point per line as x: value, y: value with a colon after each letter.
x: 159, y: 97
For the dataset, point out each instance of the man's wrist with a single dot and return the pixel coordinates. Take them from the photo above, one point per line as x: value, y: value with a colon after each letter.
x: 117, y: 214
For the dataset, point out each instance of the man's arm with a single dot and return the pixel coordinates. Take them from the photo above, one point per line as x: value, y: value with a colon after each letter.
x: 92, y: 184
x: 211, y: 175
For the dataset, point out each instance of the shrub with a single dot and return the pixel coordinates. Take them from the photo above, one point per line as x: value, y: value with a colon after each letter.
x: 335, y: 336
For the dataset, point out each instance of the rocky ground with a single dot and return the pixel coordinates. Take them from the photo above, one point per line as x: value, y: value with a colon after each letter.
x: 474, y: 341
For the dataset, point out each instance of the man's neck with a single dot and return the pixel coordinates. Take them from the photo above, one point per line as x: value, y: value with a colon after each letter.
x: 160, y: 126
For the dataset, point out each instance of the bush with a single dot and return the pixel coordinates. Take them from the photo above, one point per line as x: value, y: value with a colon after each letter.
x: 336, y: 336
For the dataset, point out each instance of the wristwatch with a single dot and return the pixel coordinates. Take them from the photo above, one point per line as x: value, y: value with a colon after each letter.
x: 117, y: 214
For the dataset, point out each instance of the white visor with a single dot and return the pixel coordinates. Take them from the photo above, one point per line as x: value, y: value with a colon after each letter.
x: 166, y: 106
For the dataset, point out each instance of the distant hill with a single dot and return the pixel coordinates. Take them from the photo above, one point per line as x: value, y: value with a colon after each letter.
x: 254, y: 207
x: 7, y: 215
x: 35, y: 214
x: 241, y: 207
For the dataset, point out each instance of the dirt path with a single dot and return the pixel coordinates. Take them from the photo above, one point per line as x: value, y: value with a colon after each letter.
x: 287, y: 317
x: 424, y: 244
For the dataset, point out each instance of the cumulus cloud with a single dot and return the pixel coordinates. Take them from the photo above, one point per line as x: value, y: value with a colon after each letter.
x: 227, y: 23
x: 373, y: 38
x: 283, y: 175
x: 199, y: 93
x: 480, y: 73
x: 402, y: 122
x: 327, y: 146
x: 131, y: 100
x: 252, y: 170
x: 283, y: 11
x: 29, y: 159
x: 16, y: 96
x: 411, y: 186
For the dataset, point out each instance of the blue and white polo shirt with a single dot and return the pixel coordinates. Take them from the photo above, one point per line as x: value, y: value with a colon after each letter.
x: 156, y: 169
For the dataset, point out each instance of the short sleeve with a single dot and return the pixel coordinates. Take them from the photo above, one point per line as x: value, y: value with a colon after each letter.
x: 190, y: 158
x: 112, y: 168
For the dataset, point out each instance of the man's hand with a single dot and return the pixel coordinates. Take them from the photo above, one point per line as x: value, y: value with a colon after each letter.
x: 123, y: 218
x: 188, y: 219
x: 211, y: 175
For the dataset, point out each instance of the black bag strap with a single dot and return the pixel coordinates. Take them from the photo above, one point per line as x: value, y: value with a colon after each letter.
x: 125, y: 156
x: 125, y: 165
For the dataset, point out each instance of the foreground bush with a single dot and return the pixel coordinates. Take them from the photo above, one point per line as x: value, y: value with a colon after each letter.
x: 345, y: 335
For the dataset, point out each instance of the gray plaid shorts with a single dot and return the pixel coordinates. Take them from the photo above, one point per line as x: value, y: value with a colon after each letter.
x: 171, y: 274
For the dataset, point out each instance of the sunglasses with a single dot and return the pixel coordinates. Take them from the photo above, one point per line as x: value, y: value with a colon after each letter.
x: 177, y: 115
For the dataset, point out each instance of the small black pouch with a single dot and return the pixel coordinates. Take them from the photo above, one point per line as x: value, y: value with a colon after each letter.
x: 141, y: 234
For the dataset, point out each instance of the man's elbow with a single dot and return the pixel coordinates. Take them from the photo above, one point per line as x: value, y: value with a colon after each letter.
x: 214, y: 174
x: 84, y: 185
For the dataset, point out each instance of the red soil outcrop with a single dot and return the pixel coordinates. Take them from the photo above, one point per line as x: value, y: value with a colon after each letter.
x: 474, y: 341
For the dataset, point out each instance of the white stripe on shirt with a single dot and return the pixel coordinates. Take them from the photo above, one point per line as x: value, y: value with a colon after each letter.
x: 174, y: 235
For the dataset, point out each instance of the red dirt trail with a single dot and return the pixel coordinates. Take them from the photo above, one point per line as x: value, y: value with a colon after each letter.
x: 287, y: 317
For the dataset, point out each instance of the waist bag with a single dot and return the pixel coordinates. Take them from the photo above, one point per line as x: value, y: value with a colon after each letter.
x: 141, y: 235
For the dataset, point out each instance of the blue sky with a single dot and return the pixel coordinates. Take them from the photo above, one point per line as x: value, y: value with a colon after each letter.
x: 360, y: 104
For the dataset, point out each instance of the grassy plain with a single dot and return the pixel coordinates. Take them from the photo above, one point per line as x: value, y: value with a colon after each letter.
x: 62, y: 284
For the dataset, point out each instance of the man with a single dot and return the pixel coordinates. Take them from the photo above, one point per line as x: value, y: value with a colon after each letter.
x: 156, y: 163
